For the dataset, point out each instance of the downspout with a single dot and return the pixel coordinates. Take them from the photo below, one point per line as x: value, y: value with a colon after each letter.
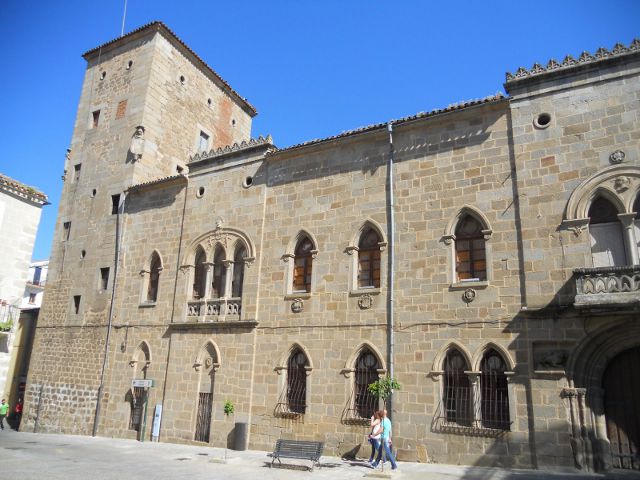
x: 175, y: 291
x: 390, y: 255
x: 96, y: 419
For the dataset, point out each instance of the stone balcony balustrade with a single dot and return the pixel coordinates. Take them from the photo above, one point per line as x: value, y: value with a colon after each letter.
x: 214, y: 310
x: 607, y: 286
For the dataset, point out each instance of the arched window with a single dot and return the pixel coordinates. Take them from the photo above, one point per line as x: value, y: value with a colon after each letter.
x: 494, y: 391
x: 366, y: 373
x: 297, y: 382
x: 457, y: 398
x: 154, y: 277
x: 470, y: 250
x: 238, y: 272
x: 605, y: 230
x: 219, y: 274
x: 303, y: 261
x: 369, y: 259
x: 199, y: 274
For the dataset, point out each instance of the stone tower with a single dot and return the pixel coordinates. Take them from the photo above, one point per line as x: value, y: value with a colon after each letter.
x: 148, y: 102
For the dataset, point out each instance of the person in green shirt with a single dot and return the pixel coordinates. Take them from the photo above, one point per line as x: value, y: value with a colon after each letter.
x: 4, y: 408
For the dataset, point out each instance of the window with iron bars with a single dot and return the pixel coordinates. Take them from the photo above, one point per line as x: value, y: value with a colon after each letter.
x: 366, y: 373
x: 297, y: 382
x: 463, y: 411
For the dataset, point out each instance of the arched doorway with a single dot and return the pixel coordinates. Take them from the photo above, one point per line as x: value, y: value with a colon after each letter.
x: 621, y: 384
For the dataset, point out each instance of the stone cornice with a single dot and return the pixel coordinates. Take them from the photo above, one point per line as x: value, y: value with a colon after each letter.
x: 228, y: 149
x: 569, y: 63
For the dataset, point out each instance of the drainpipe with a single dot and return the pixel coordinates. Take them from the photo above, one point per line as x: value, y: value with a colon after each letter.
x: 390, y: 287
x: 96, y: 419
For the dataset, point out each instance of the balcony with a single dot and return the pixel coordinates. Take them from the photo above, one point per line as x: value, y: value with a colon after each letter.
x: 607, y: 286
x: 214, y: 310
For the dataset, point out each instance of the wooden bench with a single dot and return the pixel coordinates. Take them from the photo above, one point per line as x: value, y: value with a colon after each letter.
x: 298, y: 449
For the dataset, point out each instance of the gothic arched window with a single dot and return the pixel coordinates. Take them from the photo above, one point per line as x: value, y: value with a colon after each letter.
x: 367, y: 367
x: 219, y: 274
x: 457, y: 398
x: 154, y: 277
x: 369, y: 259
x: 471, y: 257
x: 238, y: 272
x: 494, y: 391
x: 605, y: 231
x: 297, y: 382
x: 199, y: 274
x: 303, y: 262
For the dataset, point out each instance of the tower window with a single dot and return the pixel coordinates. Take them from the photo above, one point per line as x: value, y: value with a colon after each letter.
x: 76, y: 303
x: 104, y: 278
x: 76, y: 172
x: 66, y: 231
x: 203, y: 142
x: 115, y: 204
x: 95, y: 119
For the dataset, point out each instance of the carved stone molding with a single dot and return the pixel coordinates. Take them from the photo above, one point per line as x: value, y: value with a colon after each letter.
x: 297, y: 305
x: 469, y: 295
x: 617, y: 157
x: 621, y: 184
x: 365, y: 301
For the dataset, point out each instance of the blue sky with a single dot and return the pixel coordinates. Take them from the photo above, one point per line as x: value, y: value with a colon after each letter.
x: 311, y: 68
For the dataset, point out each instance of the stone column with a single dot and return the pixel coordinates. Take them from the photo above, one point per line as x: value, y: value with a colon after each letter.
x: 630, y: 247
x: 207, y: 282
x: 228, y: 273
x: 601, y: 443
x: 476, y: 401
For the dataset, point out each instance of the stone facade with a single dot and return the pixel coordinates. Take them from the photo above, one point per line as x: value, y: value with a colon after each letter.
x: 512, y: 164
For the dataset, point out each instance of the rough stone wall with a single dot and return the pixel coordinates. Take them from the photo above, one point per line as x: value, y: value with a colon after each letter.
x: 134, y: 72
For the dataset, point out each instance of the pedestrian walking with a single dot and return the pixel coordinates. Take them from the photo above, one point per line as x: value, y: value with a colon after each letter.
x: 17, y: 414
x: 4, y: 408
x: 375, y: 434
x: 386, y: 443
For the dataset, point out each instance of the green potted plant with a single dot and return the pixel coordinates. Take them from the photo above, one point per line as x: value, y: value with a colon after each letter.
x: 382, y: 388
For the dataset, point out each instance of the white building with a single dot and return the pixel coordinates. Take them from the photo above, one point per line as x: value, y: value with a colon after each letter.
x: 20, y: 209
x: 32, y: 297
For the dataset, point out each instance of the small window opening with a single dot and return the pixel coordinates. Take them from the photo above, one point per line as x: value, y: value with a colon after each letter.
x: 104, y: 278
x: 76, y: 172
x: 32, y: 298
x: 233, y: 122
x: 103, y: 75
x: 130, y: 64
x: 203, y: 143
x: 248, y: 181
x: 76, y: 303
x: 115, y: 204
x: 96, y: 118
x: 209, y: 102
x: 93, y: 193
x: 83, y: 254
x: 200, y: 192
x: 66, y: 231
x: 543, y: 120
x: 182, y: 79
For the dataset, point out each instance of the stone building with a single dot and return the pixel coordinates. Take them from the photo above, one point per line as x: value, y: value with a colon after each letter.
x: 485, y: 255
x: 20, y: 209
